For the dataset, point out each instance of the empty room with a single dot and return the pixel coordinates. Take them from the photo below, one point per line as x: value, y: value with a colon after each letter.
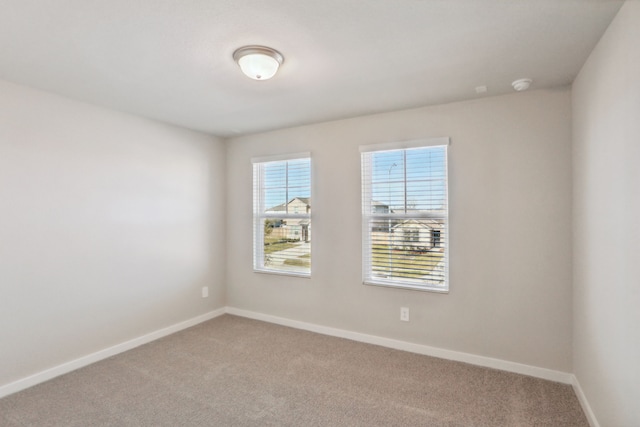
x: 327, y: 213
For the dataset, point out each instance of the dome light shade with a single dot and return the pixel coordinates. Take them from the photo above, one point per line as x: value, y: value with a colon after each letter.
x: 521, y: 84
x: 258, y: 62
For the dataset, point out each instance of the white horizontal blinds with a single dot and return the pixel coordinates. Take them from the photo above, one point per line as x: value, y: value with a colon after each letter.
x: 282, y: 216
x: 405, y: 209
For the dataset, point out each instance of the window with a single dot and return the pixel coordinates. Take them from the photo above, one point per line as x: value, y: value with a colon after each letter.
x: 435, y: 238
x: 412, y: 235
x: 282, y: 215
x: 405, y: 214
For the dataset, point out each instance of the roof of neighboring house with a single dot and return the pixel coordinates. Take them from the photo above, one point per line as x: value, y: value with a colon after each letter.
x: 282, y: 207
x: 426, y: 223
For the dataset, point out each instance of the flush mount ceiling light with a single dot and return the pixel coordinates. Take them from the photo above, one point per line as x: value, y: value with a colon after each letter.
x: 258, y: 62
x: 521, y: 84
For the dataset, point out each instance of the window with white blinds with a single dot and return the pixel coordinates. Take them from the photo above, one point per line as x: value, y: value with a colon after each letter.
x: 405, y: 215
x: 282, y: 215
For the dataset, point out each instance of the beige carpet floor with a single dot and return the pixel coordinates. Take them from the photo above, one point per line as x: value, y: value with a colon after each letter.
x: 232, y: 371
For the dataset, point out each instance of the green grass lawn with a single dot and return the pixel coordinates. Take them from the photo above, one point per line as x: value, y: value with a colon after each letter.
x: 298, y: 262
x: 269, y: 238
x: 275, y: 247
x: 403, y: 263
x: 275, y: 244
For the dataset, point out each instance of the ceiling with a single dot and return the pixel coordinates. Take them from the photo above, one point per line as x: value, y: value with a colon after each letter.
x: 171, y: 60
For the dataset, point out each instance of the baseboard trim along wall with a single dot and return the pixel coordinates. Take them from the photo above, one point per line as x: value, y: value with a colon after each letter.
x: 83, y: 361
x: 488, y: 362
x: 588, y: 412
x: 519, y: 368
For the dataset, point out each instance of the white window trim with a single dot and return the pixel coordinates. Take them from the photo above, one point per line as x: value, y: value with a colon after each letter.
x: 401, y: 145
x: 259, y: 214
x: 281, y: 157
x: 366, y: 235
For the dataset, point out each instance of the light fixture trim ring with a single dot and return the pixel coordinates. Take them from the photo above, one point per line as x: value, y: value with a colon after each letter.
x: 258, y: 50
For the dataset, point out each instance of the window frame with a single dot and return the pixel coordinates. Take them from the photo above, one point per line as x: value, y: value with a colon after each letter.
x: 368, y: 277
x: 259, y: 214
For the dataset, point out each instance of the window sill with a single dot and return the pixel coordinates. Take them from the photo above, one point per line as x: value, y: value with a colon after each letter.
x: 283, y: 273
x: 407, y: 286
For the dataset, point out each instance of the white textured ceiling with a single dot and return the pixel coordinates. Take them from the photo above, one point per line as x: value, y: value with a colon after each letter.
x: 170, y: 60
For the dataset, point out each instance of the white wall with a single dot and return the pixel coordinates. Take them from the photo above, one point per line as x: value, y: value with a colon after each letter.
x: 606, y: 206
x: 510, y: 201
x: 109, y: 226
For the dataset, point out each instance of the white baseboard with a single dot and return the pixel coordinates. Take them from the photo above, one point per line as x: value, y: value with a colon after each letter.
x: 67, y: 367
x: 582, y: 398
x: 473, y: 359
x: 489, y: 362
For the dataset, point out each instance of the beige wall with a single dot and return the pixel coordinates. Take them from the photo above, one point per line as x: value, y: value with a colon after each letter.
x: 510, y: 197
x: 606, y: 153
x: 110, y: 225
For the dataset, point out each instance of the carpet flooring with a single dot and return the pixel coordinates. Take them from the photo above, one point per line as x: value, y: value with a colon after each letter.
x: 232, y: 371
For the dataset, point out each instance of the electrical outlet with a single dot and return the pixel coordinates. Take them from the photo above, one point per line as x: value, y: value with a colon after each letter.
x: 205, y: 291
x: 404, y: 314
